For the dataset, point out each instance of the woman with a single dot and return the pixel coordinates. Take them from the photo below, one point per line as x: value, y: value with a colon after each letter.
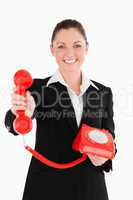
x: 61, y: 104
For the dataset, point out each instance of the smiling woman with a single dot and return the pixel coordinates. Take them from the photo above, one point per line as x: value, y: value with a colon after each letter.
x: 76, y: 100
x: 69, y: 48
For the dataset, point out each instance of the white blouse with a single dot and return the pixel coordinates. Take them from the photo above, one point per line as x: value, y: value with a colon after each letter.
x: 77, y: 100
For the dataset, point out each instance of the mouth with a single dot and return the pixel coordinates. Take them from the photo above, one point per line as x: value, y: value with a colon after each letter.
x: 70, y: 61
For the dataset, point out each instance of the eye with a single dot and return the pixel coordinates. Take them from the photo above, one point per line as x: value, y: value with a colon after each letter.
x: 77, y: 45
x: 60, y: 47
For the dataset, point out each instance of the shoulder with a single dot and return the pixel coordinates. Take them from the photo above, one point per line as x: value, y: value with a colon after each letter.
x: 38, y: 83
x: 37, y: 87
x: 100, y: 86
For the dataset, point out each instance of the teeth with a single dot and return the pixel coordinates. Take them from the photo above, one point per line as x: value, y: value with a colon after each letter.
x: 70, y: 61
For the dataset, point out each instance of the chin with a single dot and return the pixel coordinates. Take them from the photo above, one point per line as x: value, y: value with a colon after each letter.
x: 70, y: 68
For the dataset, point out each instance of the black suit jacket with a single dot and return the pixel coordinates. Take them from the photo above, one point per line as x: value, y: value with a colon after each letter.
x: 57, y: 126
x: 56, y: 122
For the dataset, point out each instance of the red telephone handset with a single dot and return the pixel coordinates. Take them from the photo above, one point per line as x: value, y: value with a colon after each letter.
x: 22, y: 80
x: 23, y: 124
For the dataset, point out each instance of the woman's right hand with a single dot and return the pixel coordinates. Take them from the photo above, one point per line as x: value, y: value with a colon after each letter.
x: 25, y: 103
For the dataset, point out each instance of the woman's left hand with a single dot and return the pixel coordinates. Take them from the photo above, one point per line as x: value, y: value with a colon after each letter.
x: 96, y: 160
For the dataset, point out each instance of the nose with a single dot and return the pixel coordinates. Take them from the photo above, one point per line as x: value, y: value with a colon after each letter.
x: 69, y: 53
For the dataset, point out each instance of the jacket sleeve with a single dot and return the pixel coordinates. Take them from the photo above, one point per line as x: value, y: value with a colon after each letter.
x: 108, y: 124
x: 10, y: 117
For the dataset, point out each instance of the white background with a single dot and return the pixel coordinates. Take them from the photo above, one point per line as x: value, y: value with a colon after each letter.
x: 25, y: 31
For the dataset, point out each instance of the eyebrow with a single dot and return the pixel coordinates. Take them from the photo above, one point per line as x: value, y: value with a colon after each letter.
x: 74, y: 42
x: 78, y: 41
x: 60, y: 43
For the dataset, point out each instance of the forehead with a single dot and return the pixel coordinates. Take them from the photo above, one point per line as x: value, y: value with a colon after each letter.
x: 69, y: 35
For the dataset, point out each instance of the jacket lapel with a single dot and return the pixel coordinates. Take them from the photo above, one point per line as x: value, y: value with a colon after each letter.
x: 69, y: 109
x: 92, y: 107
x: 91, y: 103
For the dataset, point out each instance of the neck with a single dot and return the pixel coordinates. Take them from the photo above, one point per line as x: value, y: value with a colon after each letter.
x: 72, y: 78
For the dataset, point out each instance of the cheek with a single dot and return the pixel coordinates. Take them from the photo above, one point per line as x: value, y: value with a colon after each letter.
x: 81, y: 53
x: 59, y: 57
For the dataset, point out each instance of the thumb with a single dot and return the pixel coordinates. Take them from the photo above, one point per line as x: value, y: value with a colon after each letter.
x: 90, y: 155
x: 28, y: 95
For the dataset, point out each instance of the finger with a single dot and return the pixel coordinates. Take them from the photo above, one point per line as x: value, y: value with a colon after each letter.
x: 15, y: 95
x: 18, y: 100
x: 28, y: 96
x: 94, y: 162
x: 101, y: 158
x: 91, y: 156
x: 97, y: 157
x: 20, y: 103
x: 14, y: 89
x: 28, y: 99
x: 18, y: 107
x: 18, y: 97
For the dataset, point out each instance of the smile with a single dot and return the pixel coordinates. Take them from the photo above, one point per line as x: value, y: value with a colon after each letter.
x: 72, y: 61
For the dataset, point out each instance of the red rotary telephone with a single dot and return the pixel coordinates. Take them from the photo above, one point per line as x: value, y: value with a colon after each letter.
x: 88, y: 140
x: 94, y: 141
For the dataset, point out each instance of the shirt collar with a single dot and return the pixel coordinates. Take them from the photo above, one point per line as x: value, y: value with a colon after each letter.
x: 86, y: 82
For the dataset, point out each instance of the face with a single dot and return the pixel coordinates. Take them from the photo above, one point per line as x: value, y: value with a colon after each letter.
x: 69, y: 49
